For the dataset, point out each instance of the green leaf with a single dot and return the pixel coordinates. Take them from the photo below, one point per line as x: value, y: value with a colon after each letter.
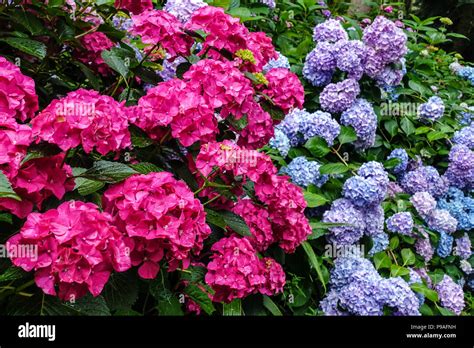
x: 407, y: 126
x: 417, y: 87
x: 232, y: 309
x: 213, y: 217
x: 145, y: 168
x: 85, y: 186
x: 235, y: 222
x: 446, y: 312
x: 317, y: 146
x: 333, y: 168
x: 435, y: 135
x: 29, y: 21
x: 271, y: 306
x: 119, y: 59
x: 392, y: 127
x: 28, y: 46
x: 109, y: 172
x: 86, y: 305
x: 200, y: 297
x: 12, y: 273
x: 394, y: 242
x: 6, y: 190
x: 424, y: 290
x: 396, y: 270
x: 139, y: 138
x: 408, y: 257
x: 6, y: 217
x: 381, y: 260
x: 314, y: 200
x: 313, y: 260
x: 347, y: 135
x: 426, y: 310
x: 392, y: 163
x: 121, y: 291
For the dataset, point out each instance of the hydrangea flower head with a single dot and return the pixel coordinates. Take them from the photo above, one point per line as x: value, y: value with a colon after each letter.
x: 338, y: 97
x: 432, y: 110
x: 403, y: 156
x: 134, y: 6
x: 304, y: 173
x: 450, y: 295
x: 344, y: 212
x: 361, y: 116
x: 401, y: 223
x: 183, y: 9
x: 445, y: 245
x: 424, y: 203
x: 330, y: 30
x: 285, y: 89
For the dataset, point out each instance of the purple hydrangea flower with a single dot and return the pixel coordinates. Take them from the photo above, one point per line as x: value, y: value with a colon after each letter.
x: 374, y: 64
x: 320, y: 64
x: 280, y: 142
x: 445, y: 245
x: 388, y: 41
x: 440, y: 220
x: 362, y: 118
x: 357, y: 298
x: 424, y: 203
x: 424, y: 248
x: 424, y: 275
x: 402, y: 155
x: 350, y: 57
x: 374, y: 216
x: 269, y: 3
x: 424, y: 178
x: 432, y: 110
x: 280, y: 62
x: 320, y: 124
x: 330, y: 30
x: 352, y: 269
x: 390, y: 76
x: 376, y: 171
x: 463, y: 247
x: 465, y: 136
x: 401, y: 223
x: 344, y: 212
x: 450, y: 295
x: 338, y: 97
x: 460, y: 172
x: 304, y: 173
x: 393, y: 189
x: 397, y: 294
x: 169, y: 68
x: 183, y: 9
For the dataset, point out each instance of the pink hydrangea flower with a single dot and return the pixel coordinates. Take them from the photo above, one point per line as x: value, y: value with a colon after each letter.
x: 222, y: 86
x: 285, y: 89
x: 77, y: 249
x: 84, y: 118
x: 160, y: 27
x: 236, y: 271
x: 94, y: 44
x: 134, y: 6
x: 224, y: 31
x: 163, y: 218
x: 257, y: 218
x: 262, y: 48
x: 18, y: 98
x: 259, y: 129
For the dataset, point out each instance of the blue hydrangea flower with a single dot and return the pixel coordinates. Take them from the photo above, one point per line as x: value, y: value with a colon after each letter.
x: 344, y: 212
x: 380, y: 243
x: 183, y: 9
x: 374, y: 216
x: 424, y: 248
x: 461, y: 207
x: 280, y: 62
x: 376, y: 171
x: 401, y: 223
x: 304, y: 173
x: 432, y: 110
x: 424, y: 179
x: 320, y: 64
x: 320, y: 124
x: 362, y: 118
x: 280, y: 142
x: 445, y: 245
x: 397, y: 294
x: 465, y: 136
x: 403, y: 156
x: 467, y: 72
x: 363, y: 192
x: 290, y: 126
x: 460, y: 172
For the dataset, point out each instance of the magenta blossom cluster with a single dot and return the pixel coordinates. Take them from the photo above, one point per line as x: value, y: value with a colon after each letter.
x: 77, y: 249
x: 161, y: 216
x: 17, y: 92
x: 134, y: 6
x: 236, y: 271
x: 84, y: 117
x: 94, y: 44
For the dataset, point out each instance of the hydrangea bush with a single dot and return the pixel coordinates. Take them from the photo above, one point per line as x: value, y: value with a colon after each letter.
x: 227, y: 158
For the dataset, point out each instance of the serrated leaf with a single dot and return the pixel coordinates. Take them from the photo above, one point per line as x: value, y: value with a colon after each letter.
x: 6, y: 190
x: 333, y: 168
x: 235, y: 222
x: 435, y: 135
x: 271, y: 306
x: 146, y: 168
x: 381, y: 260
x: 215, y: 218
x: 119, y: 59
x: 121, y: 291
x: 109, y: 172
x: 314, y: 200
x: 317, y: 146
x: 200, y: 297
x: 408, y: 257
x: 12, y: 273
x: 347, y: 135
x: 396, y: 270
x: 407, y: 126
x: 31, y: 47
x: 424, y: 290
